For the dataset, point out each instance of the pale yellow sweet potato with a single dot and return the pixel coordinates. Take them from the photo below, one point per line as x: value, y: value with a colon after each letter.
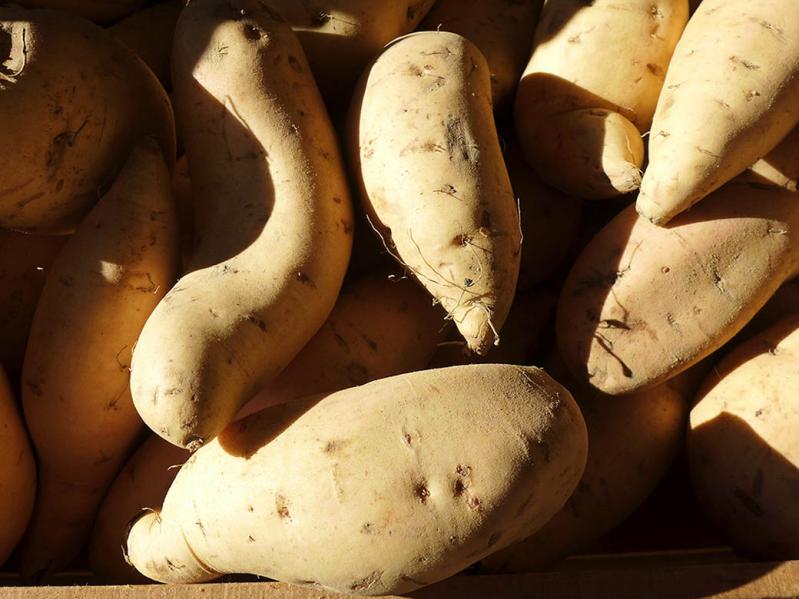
x: 273, y: 214
x: 17, y: 472
x: 426, y: 156
x: 731, y: 94
x: 503, y: 31
x: 73, y: 101
x: 590, y: 90
x: 642, y: 303
x: 75, y: 380
x: 743, y: 448
x: 404, y: 482
x: 378, y: 328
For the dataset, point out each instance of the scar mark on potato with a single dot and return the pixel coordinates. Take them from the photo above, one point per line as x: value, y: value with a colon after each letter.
x: 305, y: 279
x: 367, y: 528
x: 335, y: 446
x: 282, y: 507
x: 744, y: 63
x: 607, y: 345
x: 367, y: 582
x: 460, y: 142
x: 256, y: 321
x: 422, y: 492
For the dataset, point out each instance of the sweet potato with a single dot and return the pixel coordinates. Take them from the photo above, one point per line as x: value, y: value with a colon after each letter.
x: 73, y: 101
x: 378, y: 328
x: 426, y: 156
x: 75, y: 380
x: 742, y: 444
x: 17, y: 472
x: 274, y: 221
x: 642, y: 303
x: 731, y: 94
x: 501, y: 30
x: 590, y: 90
x: 387, y: 483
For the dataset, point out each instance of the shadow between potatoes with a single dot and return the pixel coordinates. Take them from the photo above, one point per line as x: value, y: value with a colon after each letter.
x: 247, y: 436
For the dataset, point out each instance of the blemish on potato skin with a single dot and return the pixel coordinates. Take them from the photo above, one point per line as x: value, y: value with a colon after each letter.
x: 422, y: 492
x: 367, y: 581
x: 282, y: 507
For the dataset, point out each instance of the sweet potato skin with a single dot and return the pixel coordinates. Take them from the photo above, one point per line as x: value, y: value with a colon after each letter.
x: 73, y: 102
x: 274, y: 222
x: 643, y: 303
x: 411, y: 503
x: 427, y: 159
x: 731, y: 94
x: 742, y: 444
x: 379, y: 328
x: 102, y: 287
x: 501, y: 30
x: 590, y: 88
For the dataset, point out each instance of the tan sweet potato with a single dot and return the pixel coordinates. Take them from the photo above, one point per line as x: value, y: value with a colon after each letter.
x: 426, y: 156
x: 731, y: 94
x: 73, y: 101
x: 590, y: 90
x: 75, y: 380
x: 405, y: 501
x: 643, y: 303
x: 274, y: 222
x: 743, y: 448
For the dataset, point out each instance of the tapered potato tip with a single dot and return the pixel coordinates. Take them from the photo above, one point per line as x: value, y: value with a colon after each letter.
x: 159, y: 551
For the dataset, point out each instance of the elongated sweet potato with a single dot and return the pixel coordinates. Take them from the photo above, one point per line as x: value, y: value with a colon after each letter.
x: 17, y: 472
x: 73, y: 101
x: 426, y: 156
x: 378, y: 328
x: 590, y: 90
x: 274, y: 221
x: 388, y: 483
x: 501, y: 30
x: 75, y: 391
x: 730, y: 96
x: 642, y: 303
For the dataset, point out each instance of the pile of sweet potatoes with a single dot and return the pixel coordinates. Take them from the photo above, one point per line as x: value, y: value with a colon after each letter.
x: 362, y: 295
